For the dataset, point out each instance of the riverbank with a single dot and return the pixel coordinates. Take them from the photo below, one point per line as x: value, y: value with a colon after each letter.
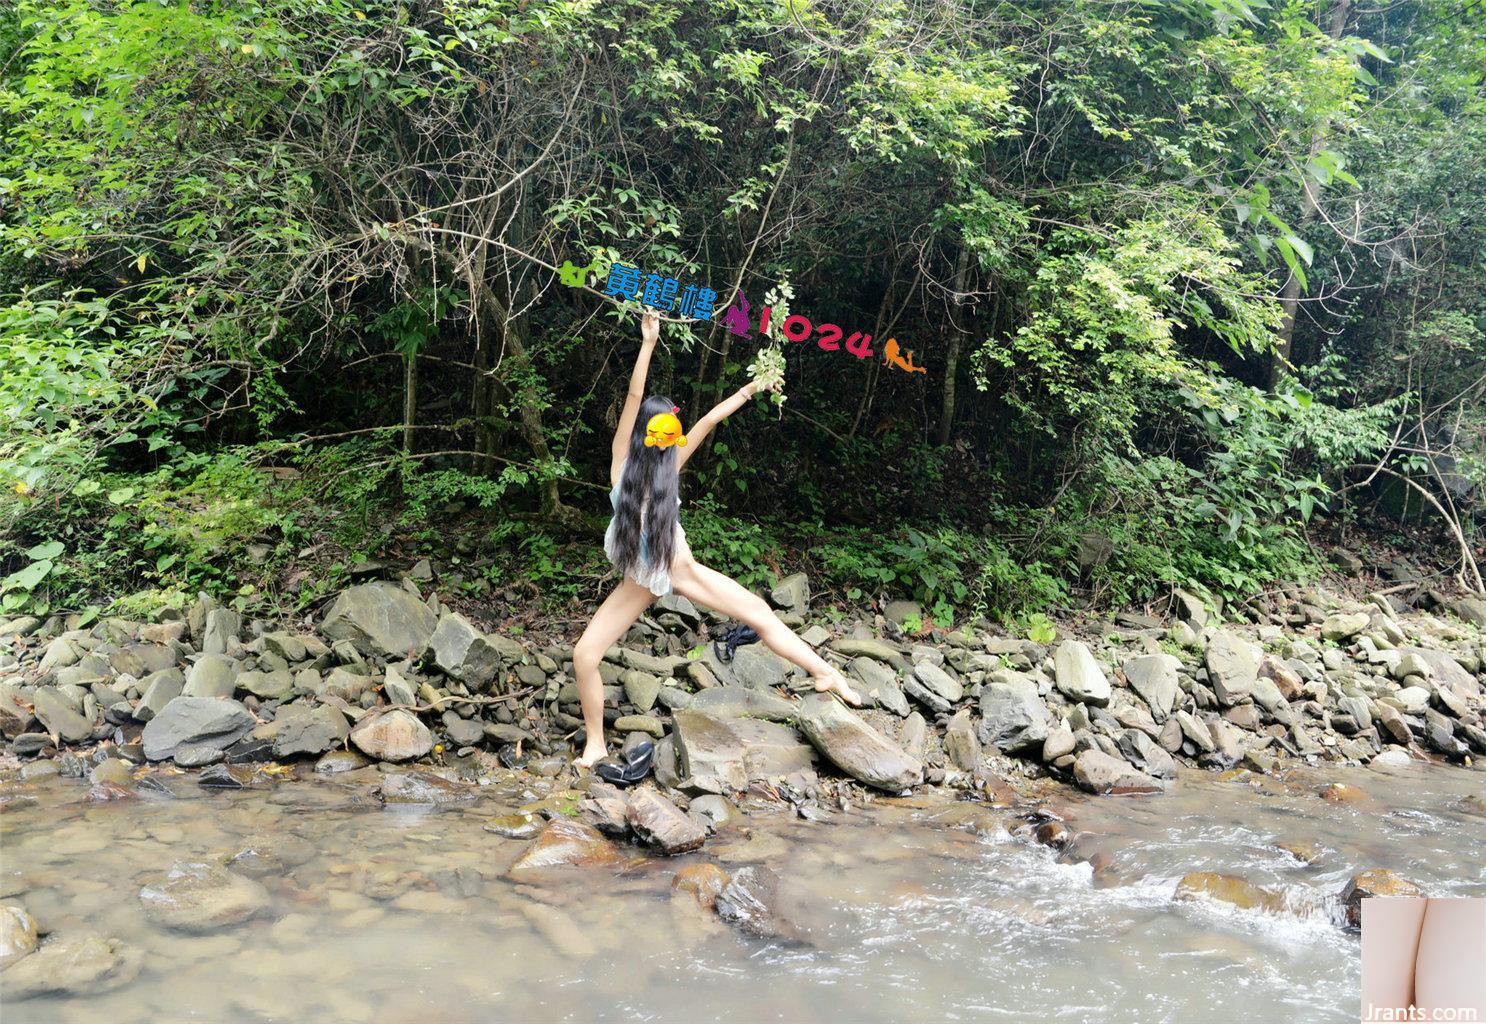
x: 388, y: 702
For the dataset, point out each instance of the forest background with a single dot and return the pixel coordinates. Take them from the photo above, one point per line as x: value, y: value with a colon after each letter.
x: 1197, y: 285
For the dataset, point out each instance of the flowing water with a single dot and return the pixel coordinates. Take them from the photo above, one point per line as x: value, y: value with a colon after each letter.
x: 915, y: 910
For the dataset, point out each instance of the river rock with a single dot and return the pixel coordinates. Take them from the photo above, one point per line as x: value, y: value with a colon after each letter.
x: 213, y: 675
x: 397, y: 735
x: 724, y: 755
x: 158, y: 690
x: 1231, y: 889
x: 1232, y: 666
x: 752, y: 901
x: 380, y: 619
x: 414, y: 787
x: 705, y: 882
x: 15, y: 712
x: 640, y: 688
x: 1144, y: 753
x: 1375, y: 882
x: 460, y: 650
x: 940, y: 682
x: 855, y: 747
x: 199, y: 897
x: 221, y: 633
x: 565, y: 843
x: 308, y: 730
x: 17, y: 934
x: 267, y: 685
x: 60, y: 716
x: 1013, y: 717
x: 82, y: 965
x: 661, y: 824
x: 743, y: 701
x: 1098, y: 772
x: 1059, y: 742
x: 1343, y: 626
x: 194, y: 722
x: 1445, y: 669
x: 1154, y: 678
x: 1079, y: 676
x: 880, y: 683
x: 854, y: 647
x: 961, y: 745
x: 792, y: 593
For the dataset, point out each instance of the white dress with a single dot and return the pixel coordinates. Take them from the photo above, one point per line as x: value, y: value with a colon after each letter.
x: 654, y: 578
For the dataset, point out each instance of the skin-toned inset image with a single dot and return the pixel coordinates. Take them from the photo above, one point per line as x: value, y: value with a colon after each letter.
x: 1423, y: 959
x: 645, y: 542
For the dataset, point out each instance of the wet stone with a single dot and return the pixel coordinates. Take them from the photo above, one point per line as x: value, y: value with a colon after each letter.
x: 201, y: 897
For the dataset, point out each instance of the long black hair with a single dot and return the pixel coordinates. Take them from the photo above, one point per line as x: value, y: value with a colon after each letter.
x: 647, y: 488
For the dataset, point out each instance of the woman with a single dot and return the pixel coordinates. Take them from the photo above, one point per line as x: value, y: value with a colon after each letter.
x: 646, y: 543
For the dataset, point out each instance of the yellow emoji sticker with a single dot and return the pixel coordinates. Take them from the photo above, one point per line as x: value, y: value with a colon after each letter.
x: 664, y: 430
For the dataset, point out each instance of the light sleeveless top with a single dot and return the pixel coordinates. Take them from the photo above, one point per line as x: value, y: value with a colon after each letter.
x: 655, y: 578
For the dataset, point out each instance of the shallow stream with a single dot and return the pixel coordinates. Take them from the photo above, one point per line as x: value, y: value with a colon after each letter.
x: 916, y: 910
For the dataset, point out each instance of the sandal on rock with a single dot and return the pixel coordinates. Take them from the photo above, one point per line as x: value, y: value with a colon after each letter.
x: 628, y: 769
x: 739, y: 636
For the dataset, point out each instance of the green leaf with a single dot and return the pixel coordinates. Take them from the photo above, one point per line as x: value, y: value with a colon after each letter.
x: 27, y: 579
x: 47, y: 549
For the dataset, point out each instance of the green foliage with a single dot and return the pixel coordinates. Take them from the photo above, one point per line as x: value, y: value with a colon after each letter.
x: 239, y: 244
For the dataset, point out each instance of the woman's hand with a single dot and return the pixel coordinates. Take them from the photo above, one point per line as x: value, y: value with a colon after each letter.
x: 649, y: 328
x: 754, y: 387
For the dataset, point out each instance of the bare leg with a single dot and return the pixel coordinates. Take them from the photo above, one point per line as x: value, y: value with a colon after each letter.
x: 696, y: 582
x: 617, y: 614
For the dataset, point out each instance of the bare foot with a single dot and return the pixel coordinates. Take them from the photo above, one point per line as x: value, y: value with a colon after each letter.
x: 836, y: 683
x: 592, y: 753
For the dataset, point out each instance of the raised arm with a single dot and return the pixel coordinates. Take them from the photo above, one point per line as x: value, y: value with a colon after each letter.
x: 721, y: 411
x: 649, y: 335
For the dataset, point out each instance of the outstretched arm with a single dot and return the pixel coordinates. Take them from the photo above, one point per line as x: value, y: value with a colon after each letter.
x: 649, y: 335
x: 721, y: 411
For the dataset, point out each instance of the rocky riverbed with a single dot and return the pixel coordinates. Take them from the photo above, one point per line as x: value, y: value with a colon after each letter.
x: 193, y: 779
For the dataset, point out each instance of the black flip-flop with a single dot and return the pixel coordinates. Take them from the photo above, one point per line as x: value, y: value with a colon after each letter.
x: 636, y: 764
x: 726, y: 646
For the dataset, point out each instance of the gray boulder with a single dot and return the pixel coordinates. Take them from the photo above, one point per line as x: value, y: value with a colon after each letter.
x: 17, y: 934
x: 880, y: 683
x: 1098, y: 772
x: 460, y: 650
x: 1344, y: 626
x: 723, y: 755
x: 213, y: 675
x: 743, y: 701
x: 1154, y: 678
x: 221, y: 634
x: 792, y: 594
x: 60, y: 716
x: 81, y: 965
x: 1446, y: 669
x: 193, y: 722
x: 157, y: 691
x: 1079, y: 676
x: 397, y: 735
x: 1013, y: 716
x: 308, y: 730
x: 380, y: 619
x: 939, y: 682
x: 200, y: 897
x: 1232, y: 667
x: 855, y: 747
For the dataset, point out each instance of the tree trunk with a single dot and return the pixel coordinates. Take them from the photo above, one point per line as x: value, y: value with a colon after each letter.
x: 409, y: 400
x: 956, y: 338
x: 1309, y: 207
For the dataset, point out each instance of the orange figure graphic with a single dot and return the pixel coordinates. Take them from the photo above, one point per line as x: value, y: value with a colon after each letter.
x: 664, y: 430
x: 890, y: 355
